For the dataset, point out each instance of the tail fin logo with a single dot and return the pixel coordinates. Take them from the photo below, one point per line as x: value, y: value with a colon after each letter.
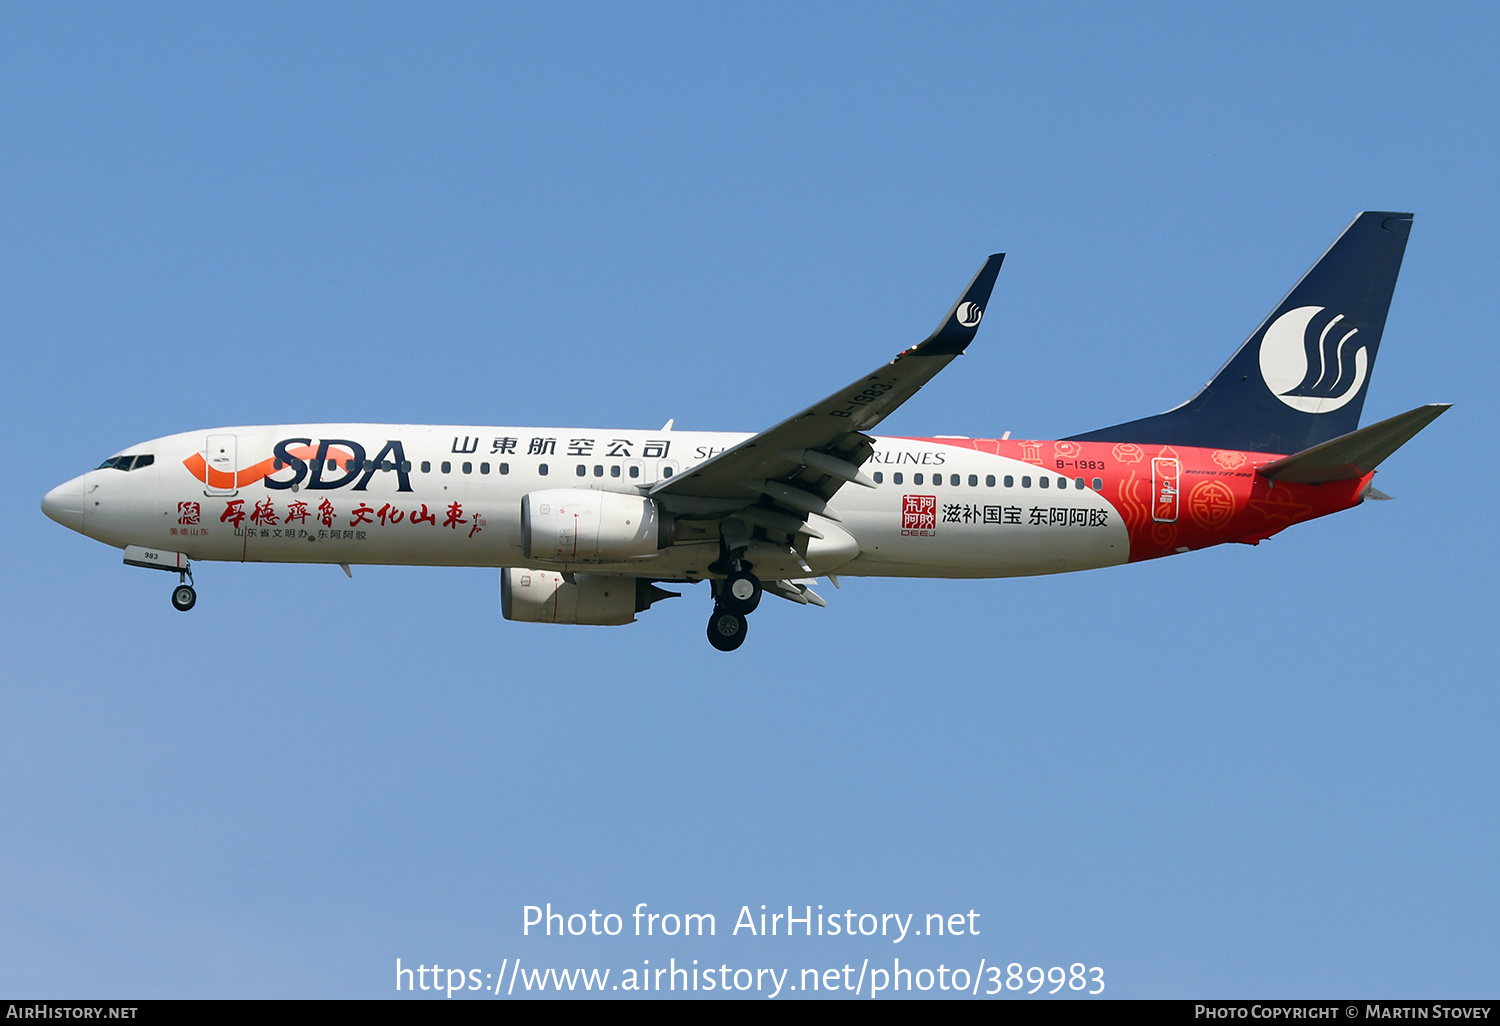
x: 1309, y: 363
x: 969, y: 314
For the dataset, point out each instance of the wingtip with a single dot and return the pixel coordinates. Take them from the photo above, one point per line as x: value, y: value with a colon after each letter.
x: 957, y: 330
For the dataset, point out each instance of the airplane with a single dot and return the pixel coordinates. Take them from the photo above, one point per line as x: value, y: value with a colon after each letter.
x: 585, y: 524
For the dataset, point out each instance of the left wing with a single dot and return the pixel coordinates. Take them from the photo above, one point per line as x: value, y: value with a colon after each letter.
x: 775, y: 479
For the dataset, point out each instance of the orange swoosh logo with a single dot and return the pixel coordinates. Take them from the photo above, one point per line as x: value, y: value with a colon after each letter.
x: 199, y: 468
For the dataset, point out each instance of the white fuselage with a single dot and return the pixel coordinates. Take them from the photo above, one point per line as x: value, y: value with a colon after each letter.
x: 451, y: 496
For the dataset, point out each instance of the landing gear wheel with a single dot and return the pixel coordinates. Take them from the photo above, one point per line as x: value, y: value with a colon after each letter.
x: 183, y: 597
x: 740, y: 592
x: 726, y: 630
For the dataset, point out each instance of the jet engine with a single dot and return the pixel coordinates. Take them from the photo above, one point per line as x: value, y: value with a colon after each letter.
x: 580, y: 525
x: 546, y: 596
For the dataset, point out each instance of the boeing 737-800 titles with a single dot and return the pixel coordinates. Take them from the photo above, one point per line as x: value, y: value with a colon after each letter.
x: 587, y: 524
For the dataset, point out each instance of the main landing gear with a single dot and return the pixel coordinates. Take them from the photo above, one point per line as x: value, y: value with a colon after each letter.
x: 726, y: 630
x: 740, y: 592
x: 734, y: 598
x: 183, y: 596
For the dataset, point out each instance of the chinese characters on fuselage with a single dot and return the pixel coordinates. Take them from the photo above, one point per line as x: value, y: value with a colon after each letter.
x: 267, y: 522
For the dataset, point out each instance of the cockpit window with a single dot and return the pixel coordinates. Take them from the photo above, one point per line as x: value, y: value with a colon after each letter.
x: 132, y: 462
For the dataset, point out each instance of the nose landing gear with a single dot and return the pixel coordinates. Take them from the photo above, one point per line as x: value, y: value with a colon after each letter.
x: 183, y: 596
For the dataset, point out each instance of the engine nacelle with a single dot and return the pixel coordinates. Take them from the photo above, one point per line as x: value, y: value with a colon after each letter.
x: 582, y: 525
x: 545, y: 596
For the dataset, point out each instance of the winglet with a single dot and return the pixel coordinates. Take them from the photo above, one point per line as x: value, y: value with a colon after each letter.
x: 1353, y: 455
x: 957, y: 330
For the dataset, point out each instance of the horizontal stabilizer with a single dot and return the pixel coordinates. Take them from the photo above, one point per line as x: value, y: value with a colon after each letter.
x: 1354, y: 455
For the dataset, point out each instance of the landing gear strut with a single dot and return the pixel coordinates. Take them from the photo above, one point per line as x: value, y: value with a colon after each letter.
x: 183, y: 596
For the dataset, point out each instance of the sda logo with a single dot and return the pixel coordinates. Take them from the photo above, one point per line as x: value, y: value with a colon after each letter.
x: 969, y: 314
x: 1307, y: 374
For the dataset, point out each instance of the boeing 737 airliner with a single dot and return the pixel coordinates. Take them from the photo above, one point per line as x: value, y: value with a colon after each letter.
x: 586, y: 524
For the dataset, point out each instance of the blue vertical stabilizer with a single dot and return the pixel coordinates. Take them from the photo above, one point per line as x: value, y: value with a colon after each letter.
x: 1301, y: 377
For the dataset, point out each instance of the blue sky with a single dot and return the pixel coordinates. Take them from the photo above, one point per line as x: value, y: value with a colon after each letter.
x: 1246, y: 771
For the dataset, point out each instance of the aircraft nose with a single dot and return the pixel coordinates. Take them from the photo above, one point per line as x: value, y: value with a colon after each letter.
x: 65, y: 504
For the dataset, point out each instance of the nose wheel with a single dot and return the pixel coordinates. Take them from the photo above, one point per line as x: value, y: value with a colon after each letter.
x: 183, y: 596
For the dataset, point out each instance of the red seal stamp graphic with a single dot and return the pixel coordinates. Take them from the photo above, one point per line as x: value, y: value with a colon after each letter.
x: 918, y: 512
x: 1211, y: 504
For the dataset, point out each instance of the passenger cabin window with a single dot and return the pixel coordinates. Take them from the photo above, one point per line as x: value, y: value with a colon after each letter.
x: 879, y: 477
x: 974, y: 481
x: 468, y: 468
x: 666, y: 471
x: 542, y: 469
x: 484, y: 468
x: 1043, y: 482
x: 614, y: 470
x: 1062, y: 482
x: 1010, y: 482
x: 916, y: 479
x: 1079, y: 484
x: 953, y: 479
x: 426, y: 466
x: 582, y: 470
x: 1026, y: 482
x: 989, y: 480
x: 447, y: 467
x: 505, y: 468
x: 1098, y: 485
x: 598, y: 470
x: 635, y: 471
x: 896, y: 477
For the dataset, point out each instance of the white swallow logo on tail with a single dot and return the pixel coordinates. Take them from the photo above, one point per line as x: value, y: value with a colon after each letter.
x: 1307, y: 375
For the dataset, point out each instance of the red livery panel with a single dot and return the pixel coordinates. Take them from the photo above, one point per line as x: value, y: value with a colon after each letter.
x: 1178, y: 498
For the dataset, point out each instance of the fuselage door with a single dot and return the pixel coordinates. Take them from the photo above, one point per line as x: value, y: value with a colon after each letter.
x: 221, y: 463
x: 1166, y: 475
